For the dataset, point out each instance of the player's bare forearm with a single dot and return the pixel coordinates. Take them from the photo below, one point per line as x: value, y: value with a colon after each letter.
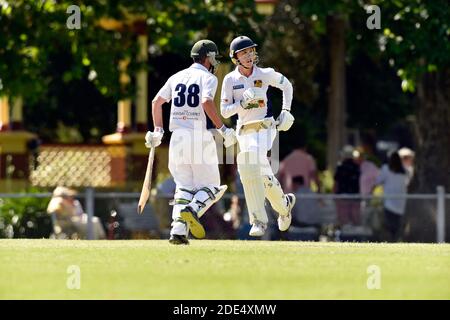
x: 210, y: 108
x: 157, y: 112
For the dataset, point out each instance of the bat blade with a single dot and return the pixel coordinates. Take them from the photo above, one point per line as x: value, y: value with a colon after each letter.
x: 146, y: 187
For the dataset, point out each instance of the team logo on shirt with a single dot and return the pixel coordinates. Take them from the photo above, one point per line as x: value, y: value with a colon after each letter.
x: 257, y: 83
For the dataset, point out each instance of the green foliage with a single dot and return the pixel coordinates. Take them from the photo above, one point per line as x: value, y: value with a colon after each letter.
x: 414, y: 38
x: 24, y: 217
x: 72, y: 76
x: 170, y: 25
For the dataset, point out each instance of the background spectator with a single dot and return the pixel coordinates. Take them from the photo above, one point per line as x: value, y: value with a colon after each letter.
x: 346, y: 181
x: 407, y: 157
x: 368, y: 173
x: 68, y: 217
x: 394, y: 179
x: 305, y: 212
x: 298, y: 163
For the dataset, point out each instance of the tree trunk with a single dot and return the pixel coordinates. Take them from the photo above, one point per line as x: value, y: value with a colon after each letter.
x: 432, y: 167
x: 337, y: 96
x: 433, y: 119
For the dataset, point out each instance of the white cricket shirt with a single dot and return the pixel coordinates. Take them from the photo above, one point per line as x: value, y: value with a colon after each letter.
x: 234, y: 85
x: 186, y: 89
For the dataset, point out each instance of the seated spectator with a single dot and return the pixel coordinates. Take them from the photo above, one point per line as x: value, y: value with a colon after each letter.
x: 305, y: 212
x: 69, y: 220
x: 346, y: 181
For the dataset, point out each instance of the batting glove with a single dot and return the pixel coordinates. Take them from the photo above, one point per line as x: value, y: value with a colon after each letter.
x: 229, y: 136
x: 153, y: 139
x: 251, y: 98
x: 285, y: 120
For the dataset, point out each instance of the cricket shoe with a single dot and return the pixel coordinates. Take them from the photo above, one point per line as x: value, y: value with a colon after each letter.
x: 258, y: 229
x: 190, y: 216
x: 284, y: 222
x: 178, y: 239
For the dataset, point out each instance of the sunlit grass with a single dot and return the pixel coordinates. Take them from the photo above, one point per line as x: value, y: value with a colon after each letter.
x: 38, y: 269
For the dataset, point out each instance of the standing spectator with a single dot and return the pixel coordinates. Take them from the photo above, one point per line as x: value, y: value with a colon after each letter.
x: 346, y: 181
x: 394, y: 179
x: 407, y: 157
x: 368, y: 174
x: 298, y: 163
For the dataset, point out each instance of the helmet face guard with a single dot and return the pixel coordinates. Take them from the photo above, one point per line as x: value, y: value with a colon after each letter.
x: 250, y: 55
x: 206, y: 49
x: 211, y: 56
x: 239, y: 44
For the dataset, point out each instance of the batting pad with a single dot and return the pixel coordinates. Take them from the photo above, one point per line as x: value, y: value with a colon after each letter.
x: 252, y: 182
x: 182, y: 198
x: 275, y: 195
x: 205, y: 197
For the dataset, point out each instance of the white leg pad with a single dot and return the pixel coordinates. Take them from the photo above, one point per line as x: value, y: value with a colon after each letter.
x: 275, y: 195
x: 205, y: 197
x: 250, y: 172
x: 181, y: 199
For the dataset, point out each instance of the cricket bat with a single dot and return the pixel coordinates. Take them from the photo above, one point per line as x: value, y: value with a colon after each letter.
x: 146, y: 187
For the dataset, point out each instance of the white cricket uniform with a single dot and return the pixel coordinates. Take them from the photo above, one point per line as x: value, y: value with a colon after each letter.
x: 233, y: 87
x: 257, y: 142
x: 193, y: 159
x: 192, y: 153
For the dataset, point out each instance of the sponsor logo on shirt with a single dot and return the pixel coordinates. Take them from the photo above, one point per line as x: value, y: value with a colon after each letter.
x: 238, y: 86
x: 257, y: 83
x: 185, y: 115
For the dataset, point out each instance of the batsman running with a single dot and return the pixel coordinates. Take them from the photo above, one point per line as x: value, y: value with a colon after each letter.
x: 193, y: 159
x: 244, y: 93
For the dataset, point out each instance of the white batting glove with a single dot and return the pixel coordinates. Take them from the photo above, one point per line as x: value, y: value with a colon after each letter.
x: 153, y: 139
x: 251, y: 97
x: 285, y: 120
x: 229, y: 136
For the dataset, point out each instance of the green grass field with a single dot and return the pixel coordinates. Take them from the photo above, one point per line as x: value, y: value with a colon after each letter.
x: 154, y: 269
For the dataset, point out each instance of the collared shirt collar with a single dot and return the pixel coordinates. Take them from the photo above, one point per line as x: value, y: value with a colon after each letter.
x: 241, y: 75
x: 197, y: 65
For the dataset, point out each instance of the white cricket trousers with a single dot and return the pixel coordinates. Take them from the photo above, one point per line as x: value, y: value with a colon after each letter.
x: 194, y: 164
x: 259, y: 143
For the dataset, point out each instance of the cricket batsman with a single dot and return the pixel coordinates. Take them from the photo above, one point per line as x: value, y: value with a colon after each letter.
x: 244, y: 93
x: 193, y: 160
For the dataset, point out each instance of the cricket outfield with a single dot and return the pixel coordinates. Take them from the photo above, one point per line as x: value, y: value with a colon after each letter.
x: 206, y: 269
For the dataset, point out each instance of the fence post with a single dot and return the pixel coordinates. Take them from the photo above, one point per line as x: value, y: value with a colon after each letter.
x: 440, y: 219
x: 90, y: 196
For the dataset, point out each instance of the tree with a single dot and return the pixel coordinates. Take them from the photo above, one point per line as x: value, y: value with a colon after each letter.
x: 416, y: 38
x: 50, y: 65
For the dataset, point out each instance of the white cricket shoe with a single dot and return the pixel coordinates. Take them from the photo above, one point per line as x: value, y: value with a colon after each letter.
x: 258, y: 229
x: 284, y: 222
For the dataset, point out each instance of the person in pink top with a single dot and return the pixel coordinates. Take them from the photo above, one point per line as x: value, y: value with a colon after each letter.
x: 369, y: 173
x: 298, y: 163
